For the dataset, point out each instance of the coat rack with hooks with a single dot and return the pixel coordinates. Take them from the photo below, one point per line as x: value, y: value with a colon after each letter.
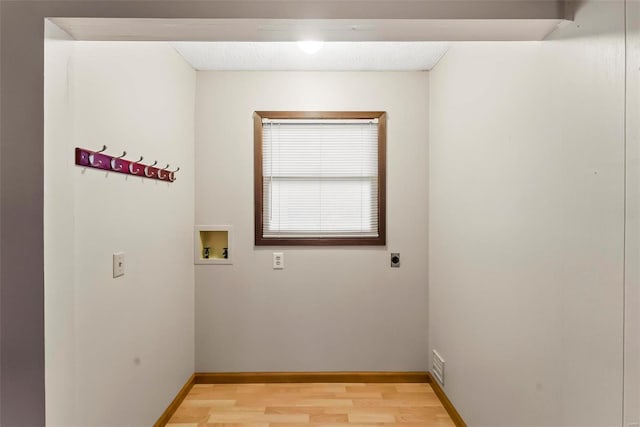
x: 100, y: 160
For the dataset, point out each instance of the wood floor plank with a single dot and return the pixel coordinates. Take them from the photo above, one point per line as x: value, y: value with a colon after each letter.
x: 190, y: 415
x: 311, y: 404
x: 329, y: 418
x: 324, y: 402
x: 369, y: 417
x: 413, y: 387
x: 235, y: 425
x: 359, y: 395
x: 311, y: 410
x: 410, y: 396
x: 209, y: 403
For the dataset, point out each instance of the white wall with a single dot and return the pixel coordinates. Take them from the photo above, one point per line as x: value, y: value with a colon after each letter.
x: 632, y: 300
x: 59, y: 228
x: 129, y: 341
x: 526, y: 225
x: 334, y: 308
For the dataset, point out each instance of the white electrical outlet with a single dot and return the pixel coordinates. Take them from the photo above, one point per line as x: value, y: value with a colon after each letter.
x: 278, y: 261
x: 118, y: 264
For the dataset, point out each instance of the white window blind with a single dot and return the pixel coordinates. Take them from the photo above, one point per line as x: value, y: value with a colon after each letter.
x: 320, y: 178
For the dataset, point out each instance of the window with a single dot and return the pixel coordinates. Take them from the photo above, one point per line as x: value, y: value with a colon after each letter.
x: 320, y: 178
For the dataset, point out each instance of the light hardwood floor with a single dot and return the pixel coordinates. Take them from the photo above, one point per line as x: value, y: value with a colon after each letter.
x: 321, y: 405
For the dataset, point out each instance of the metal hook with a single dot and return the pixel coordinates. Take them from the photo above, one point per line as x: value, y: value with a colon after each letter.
x: 92, y: 157
x: 146, y: 169
x: 172, y: 174
x: 131, y: 171
x: 113, y: 162
x: 164, y: 169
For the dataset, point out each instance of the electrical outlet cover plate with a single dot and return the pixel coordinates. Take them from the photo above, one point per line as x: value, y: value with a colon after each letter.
x: 395, y: 259
x: 278, y: 261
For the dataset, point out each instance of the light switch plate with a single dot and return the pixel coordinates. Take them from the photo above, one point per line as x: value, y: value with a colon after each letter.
x: 278, y: 261
x: 118, y: 264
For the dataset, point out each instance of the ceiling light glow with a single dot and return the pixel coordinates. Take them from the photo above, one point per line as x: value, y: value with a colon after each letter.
x: 310, y: 46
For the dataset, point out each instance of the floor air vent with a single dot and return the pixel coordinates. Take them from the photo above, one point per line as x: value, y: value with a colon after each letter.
x: 437, y: 367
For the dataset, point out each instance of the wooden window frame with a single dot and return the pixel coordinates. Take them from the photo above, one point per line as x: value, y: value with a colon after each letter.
x: 260, y: 240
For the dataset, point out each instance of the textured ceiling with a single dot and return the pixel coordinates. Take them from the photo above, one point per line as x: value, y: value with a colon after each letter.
x: 368, y: 56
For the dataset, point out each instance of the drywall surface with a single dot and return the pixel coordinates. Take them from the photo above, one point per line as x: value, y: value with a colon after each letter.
x: 632, y: 277
x: 332, y: 308
x: 526, y: 225
x: 59, y: 228
x: 130, y: 340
